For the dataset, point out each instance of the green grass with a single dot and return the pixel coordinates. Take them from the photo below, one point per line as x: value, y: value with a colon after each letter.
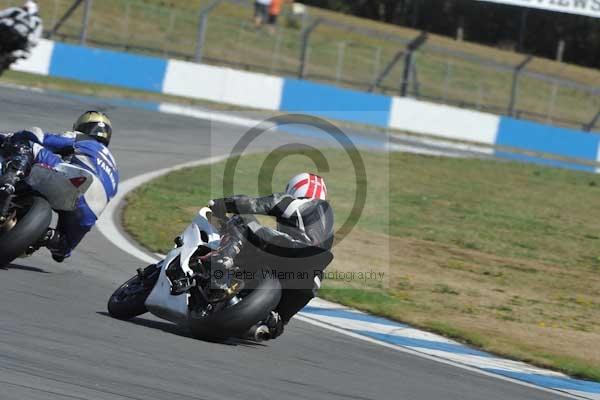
x: 169, y: 29
x: 499, y: 255
x: 68, y: 86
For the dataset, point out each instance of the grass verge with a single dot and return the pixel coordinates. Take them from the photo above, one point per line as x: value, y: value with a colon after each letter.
x: 502, y: 256
x: 69, y: 87
x: 106, y: 91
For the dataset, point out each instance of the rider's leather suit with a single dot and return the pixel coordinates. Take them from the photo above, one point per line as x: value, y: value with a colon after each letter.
x: 85, y: 153
x: 304, y: 232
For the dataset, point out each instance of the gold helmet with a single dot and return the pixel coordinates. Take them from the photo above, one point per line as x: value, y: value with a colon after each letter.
x: 95, y: 124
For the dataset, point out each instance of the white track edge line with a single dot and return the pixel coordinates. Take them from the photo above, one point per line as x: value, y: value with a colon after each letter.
x: 107, y: 224
x: 406, y: 350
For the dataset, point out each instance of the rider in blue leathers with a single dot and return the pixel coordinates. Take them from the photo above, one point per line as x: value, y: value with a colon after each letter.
x: 85, y: 147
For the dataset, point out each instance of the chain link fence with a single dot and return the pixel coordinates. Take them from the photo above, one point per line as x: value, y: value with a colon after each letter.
x: 325, y: 50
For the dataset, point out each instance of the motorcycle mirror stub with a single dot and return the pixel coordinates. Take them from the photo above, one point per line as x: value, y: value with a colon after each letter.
x: 178, y: 242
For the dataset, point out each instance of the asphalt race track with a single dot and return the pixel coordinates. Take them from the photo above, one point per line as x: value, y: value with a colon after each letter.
x: 57, y: 342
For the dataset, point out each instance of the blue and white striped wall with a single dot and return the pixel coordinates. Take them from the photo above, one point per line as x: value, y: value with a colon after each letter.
x: 501, y: 135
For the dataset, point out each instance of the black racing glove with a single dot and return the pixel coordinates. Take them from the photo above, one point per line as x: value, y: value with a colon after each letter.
x: 20, y: 155
x: 218, y: 208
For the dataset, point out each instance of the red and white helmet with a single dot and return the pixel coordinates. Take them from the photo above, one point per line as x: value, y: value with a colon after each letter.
x: 307, y: 185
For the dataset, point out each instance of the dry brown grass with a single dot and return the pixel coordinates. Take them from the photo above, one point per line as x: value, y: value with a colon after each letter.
x: 150, y: 28
x: 522, y: 308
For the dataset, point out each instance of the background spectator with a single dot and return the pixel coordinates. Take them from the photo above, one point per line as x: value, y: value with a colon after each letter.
x: 274, y: 11
x: 261, y: 11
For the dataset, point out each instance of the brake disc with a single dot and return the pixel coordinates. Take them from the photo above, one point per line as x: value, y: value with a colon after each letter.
x: 10, y: 222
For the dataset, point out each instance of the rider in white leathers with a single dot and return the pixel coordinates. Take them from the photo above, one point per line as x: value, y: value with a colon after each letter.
x: 21, y: 29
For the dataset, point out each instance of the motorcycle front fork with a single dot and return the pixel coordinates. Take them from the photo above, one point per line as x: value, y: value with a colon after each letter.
x: 7, y: 191
x: 16, y: 170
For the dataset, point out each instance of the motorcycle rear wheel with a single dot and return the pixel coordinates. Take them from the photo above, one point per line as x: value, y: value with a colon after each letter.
x: 30, y: 228
x: 236, y: 320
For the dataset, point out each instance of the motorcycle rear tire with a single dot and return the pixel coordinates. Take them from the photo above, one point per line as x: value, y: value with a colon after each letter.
x: 30, y: 228
x: 236, y: 320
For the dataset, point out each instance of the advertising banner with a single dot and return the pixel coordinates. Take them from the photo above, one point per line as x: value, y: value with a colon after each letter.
x: 590, y: 8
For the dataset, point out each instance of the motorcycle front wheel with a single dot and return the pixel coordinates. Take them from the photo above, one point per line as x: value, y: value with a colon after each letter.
x: 31, y: 226
x: 128, y: 301
x: 5, y: 63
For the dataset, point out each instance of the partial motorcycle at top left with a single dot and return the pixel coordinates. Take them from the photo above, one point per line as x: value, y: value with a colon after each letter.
x: 10, y: 45
x: 20, y: 31
x: 29, y: 193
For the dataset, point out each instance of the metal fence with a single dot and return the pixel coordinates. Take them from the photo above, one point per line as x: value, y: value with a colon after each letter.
x: 222, y: 32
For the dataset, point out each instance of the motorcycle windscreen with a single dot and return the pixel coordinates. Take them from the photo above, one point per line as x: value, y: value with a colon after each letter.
x: 199, y: 233
x: 209, y: 234
x: 191, y: 240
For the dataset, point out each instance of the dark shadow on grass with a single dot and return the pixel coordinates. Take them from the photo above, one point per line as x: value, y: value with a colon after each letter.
x: 177, y: 330
x: 24, y: 268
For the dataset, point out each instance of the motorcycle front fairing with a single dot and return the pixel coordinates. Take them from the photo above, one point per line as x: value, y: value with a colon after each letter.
x: 161, y: 302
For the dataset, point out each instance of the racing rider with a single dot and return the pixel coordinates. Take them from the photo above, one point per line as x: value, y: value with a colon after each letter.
x: 304, y: 228
x: 85, y: 147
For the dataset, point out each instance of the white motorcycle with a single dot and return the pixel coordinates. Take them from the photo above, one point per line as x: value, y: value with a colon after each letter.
x: 27, y: 202
x: 151, y: 290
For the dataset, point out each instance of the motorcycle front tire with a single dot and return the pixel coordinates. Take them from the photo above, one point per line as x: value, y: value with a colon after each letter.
x: 30, y: 228
x: 5, y: 63
x: 128, y: 301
